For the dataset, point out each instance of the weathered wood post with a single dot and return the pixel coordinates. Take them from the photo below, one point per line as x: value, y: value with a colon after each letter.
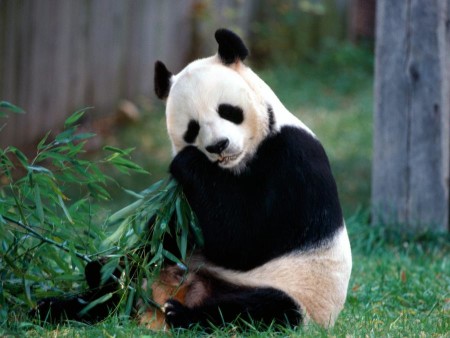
x: 410, y: 182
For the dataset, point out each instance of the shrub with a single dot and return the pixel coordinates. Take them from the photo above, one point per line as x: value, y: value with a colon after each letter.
x: 52, y: 221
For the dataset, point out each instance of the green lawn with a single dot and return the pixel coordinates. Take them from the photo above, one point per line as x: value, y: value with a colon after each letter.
x: 400, y: 287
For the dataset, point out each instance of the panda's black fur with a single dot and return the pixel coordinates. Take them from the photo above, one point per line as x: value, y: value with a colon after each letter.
x: 279, y: 212
x: 285, y: 200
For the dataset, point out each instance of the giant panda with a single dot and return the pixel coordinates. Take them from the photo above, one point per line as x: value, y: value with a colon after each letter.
x: 276, y: 248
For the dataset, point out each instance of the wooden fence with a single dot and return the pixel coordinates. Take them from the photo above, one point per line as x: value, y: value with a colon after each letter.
x: 60, y: 55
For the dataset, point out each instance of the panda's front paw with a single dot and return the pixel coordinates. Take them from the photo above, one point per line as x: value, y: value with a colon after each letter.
x: 178, y: 315
x: 186, y: 162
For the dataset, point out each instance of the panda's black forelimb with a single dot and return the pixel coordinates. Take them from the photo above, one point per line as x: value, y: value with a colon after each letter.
x: 265, y: 306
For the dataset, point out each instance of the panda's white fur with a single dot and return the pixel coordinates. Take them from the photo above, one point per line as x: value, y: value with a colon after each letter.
x: 315, y: 277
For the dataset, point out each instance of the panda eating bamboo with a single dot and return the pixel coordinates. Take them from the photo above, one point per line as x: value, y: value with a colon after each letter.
x: 276, y: 248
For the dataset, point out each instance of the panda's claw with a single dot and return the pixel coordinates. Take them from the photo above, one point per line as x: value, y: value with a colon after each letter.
x: 177, y: 315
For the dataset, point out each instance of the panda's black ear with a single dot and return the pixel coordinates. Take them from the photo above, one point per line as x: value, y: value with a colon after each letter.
x: 231, y: 46
x: 162, y: 80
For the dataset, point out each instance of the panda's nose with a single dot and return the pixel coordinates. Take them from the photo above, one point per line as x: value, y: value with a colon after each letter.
x: 218, y: 147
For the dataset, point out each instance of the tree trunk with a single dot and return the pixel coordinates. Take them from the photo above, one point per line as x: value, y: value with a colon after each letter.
x: 410, y: 183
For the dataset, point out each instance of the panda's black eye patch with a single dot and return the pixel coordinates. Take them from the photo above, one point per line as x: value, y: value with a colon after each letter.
x: 192, y: 131
x: 231, y: 113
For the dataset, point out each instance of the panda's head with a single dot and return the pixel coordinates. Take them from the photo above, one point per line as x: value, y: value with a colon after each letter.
x: 212, y: 105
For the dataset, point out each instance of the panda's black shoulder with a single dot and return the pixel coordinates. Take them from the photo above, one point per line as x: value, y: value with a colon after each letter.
x: 295, y: 154
x: 292, y: 148
x: 293, y: 166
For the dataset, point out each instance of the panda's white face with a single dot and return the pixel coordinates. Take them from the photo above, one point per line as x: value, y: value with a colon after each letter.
x: 211, y: 107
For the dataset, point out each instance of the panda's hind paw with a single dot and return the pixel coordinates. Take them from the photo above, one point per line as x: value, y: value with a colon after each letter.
x: 178, y: 315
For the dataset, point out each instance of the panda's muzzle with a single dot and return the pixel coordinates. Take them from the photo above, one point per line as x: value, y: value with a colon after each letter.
x: 218, y: 147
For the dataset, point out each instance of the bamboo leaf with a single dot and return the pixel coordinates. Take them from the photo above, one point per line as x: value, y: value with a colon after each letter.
x: 53, y: 155
x: 98, y: 191
x: 11, y: 107
x: 41, y: 143
x: 26, y: 287
x: 158, y: 257
x: 109, y: 268
x: 83, y: 136
x: 180, y: 216
x: 118, y: 150
x: 39, y: 169
x: 64, y: 208
x: 134, y: 194
x: 66, y: 136
x: 153, y: 187
x: 184, y: 242
x: 130, y: 302
x: 197, y: 232
x: 122, y: 162
x: 76, y: 116
x: 38, y: 203
x: 74, y: 149
x: 124, y: 212
x: 20, y: 156
x: 94, y: 303
x: 171, y: 256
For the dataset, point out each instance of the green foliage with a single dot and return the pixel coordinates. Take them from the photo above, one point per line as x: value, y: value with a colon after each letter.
x: 304, y: 26
x: 36, y: 210
x: 48, y: 207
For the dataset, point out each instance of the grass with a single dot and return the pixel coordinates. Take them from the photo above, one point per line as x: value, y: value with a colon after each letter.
x: 400, y: 283
x: 400, y: 286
